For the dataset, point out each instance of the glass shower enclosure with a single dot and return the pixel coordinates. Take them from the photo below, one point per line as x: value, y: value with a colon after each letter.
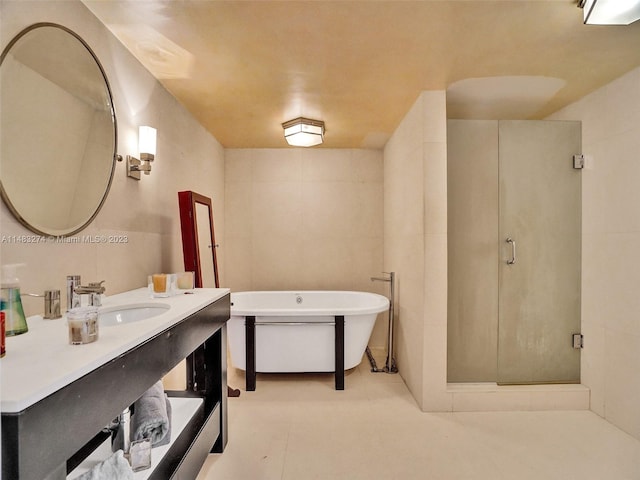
x: 514, y: 251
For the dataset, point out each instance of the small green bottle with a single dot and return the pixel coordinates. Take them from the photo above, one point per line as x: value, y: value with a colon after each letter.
x: 15, y: 321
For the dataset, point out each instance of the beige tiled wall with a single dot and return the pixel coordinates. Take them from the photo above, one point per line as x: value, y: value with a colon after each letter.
x: 415, y: 246
x: 304, y: 219
x: 146, y: 212
x: 611, y: 259
x: 404, y: 243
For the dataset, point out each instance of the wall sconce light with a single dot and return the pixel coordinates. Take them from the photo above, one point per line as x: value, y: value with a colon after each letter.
x: 303, y: 132
x: 610, y: 12
x: 147, y: 149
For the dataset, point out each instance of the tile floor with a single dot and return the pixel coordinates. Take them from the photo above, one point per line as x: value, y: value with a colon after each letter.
x: 297, y: 427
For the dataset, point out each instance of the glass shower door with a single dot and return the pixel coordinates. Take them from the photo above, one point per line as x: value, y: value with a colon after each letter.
x: 540, y: 252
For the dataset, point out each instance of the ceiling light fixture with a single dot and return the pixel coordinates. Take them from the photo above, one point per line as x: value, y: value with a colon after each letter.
x: 303, y: 132
x: 610, y: 12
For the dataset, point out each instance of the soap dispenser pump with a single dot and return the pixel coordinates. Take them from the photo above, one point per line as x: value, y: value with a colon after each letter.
x: 15, y: 321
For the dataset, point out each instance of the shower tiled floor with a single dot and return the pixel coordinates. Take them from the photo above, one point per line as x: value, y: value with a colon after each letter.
x: 297, y: 427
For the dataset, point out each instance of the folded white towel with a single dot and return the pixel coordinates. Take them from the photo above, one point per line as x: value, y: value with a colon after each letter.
x: 115, y: 467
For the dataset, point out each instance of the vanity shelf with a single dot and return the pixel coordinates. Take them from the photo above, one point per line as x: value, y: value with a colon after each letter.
x: 183, y: 410
x: 51, y: 436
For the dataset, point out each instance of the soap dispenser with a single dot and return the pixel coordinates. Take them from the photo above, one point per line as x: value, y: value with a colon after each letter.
x: 15, y: 321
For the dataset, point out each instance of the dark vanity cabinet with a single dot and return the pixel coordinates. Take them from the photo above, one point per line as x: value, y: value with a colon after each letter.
x: 52, y: 436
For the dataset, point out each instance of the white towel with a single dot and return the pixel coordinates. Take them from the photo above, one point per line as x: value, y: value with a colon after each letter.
x: 115, y: 467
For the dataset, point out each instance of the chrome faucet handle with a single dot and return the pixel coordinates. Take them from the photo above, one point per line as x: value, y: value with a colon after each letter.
x: 51, y: 303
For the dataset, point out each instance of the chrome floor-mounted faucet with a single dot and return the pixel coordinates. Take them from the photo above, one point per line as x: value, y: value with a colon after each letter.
x: 390, y: 366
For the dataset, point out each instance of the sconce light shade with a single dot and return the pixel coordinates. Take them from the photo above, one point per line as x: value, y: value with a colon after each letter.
x: 147, y: 143
x: 610, y: 12
x: 147, y: 149
x: 303, y: 132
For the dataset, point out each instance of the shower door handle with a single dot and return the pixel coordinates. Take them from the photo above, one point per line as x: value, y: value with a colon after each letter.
x: 513, y: 251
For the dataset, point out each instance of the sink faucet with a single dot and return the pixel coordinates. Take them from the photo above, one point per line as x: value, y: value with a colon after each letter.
x: 94, y: 290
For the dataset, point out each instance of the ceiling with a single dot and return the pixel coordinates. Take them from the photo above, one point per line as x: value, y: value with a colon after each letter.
x: 242, y: 68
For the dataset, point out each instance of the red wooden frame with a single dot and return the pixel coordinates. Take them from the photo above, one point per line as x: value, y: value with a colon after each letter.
x: 187, y: 201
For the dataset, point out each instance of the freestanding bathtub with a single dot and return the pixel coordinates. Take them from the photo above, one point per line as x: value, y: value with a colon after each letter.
x: 300, y: 331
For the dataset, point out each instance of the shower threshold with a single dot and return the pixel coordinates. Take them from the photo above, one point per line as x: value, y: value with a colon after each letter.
x: 489, y: 396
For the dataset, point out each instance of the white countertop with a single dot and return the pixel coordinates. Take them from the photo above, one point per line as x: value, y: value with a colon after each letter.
x: 41, y: 361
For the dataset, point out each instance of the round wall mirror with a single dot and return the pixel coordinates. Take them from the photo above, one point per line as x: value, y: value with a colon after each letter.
x: 57, y: 130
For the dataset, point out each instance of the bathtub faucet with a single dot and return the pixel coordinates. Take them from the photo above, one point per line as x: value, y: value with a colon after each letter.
x: 390, y: 366
x: 381, y: 279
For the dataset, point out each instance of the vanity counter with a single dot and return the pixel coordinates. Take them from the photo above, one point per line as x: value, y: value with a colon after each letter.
x: 56, y: 397
x: 41, y: 361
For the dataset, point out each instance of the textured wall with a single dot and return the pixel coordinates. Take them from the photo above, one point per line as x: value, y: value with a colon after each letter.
x: 305, y: 219
x: 415, y: 246
x: 145, y: 212
x: 610, y: 257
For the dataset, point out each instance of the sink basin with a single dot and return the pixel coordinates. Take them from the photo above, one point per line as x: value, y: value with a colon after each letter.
x: 123, y: 314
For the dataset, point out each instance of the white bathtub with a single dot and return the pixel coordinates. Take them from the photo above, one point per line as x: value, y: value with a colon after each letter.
x: 302, y: 339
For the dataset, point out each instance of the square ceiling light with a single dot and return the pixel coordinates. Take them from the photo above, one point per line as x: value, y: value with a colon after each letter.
x: 303, y: 132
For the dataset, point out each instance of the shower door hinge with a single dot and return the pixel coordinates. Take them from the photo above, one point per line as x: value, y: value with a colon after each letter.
x: 578, y: 340
x: 578, y: 161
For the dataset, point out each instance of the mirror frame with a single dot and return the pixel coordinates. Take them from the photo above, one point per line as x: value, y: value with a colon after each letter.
x: 187, y: 201
x: 114, y: 155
